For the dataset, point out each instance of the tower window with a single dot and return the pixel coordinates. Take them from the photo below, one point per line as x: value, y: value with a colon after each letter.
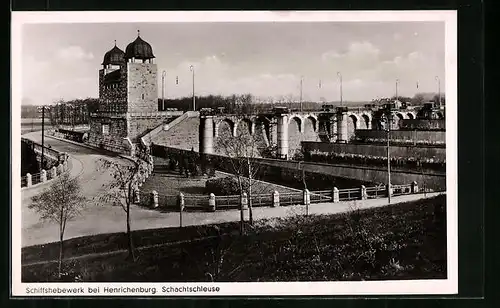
x: 105, y: 129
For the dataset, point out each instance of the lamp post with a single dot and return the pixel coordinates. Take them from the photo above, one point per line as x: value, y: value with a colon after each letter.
x: 194, y: 99
x: 301, y: 81
x: 397, y: 82
x: 163, y: 74
x: 439, y: 91
x: 340, y: 77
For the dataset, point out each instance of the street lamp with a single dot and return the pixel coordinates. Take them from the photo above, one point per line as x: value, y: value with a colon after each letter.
x: 194, y: 99
x: 439, y: 91
x: 301, y: 80
x: 397, y: 82
x: 340, y: 77
x: 163, y: 74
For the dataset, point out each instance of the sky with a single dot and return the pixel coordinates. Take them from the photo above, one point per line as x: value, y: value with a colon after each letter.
x: 266, y: 59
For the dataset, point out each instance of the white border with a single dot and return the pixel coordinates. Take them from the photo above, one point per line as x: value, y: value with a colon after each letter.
x: 413, y: 287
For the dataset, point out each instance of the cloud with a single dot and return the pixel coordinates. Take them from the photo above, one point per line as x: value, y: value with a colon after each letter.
x: 71, y: 53
x: 356, y: 51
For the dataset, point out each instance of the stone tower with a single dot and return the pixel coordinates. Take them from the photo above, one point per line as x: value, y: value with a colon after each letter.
x: 128, y: 98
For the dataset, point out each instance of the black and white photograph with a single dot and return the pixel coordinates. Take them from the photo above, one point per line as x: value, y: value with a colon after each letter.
x: 234, y: 153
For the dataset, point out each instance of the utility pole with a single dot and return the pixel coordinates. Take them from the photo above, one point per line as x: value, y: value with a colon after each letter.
x: 163, y: 74
x: 439, y: 92
x: 340, y: 77
x: 43, y: 133
x: 194, y: 99
x: 389, y: 111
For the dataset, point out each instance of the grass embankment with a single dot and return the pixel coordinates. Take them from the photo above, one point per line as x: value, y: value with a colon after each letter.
x: 171, y: 183
x: 404, y: 241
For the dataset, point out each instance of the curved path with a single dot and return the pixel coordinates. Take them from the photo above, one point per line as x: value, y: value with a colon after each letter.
x: 96, y: 219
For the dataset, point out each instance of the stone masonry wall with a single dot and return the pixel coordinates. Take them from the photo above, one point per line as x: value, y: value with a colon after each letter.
x: 142, y: 87
x: 114, y: 141
x: 185, y: 135
x: 139, y: 126
x: 113, y: 94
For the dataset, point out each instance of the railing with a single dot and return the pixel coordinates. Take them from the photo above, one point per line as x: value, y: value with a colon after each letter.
x: 168, y: 201
x: 260, y: 200
x: 321, y: 196
x: 227, y: 202
x: 196, y: 202
x: 36, y: 178
x: 157, y: 114
x: 349, y: 194
x: 398, y: 190
x: 58, y: 157
x: 271, y: 199
x: 376, y: 192
x: 291, y: 198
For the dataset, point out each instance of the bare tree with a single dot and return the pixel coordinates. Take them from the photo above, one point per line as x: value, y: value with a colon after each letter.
x: 60, y: 203
x: 121, y: 190
x: 241, y: 151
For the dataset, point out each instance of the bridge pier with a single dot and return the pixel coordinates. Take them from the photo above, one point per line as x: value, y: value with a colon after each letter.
x: 206, y: 134
x: 282, y: 130
x: 341, y: 126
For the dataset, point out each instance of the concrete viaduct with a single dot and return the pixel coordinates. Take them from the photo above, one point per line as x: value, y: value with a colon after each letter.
x: 274, y: 127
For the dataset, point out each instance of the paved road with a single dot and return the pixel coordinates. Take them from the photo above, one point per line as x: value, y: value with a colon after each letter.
x: 97, y: 219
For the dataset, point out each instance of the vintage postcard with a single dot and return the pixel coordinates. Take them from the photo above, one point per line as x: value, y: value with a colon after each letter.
x: 234, y: 153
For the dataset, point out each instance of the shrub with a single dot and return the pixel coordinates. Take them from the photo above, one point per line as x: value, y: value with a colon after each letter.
x: 225, y: 186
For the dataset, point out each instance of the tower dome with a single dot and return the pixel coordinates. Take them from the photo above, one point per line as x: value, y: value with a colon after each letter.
x: 114, y: 57
x: 139, y: 49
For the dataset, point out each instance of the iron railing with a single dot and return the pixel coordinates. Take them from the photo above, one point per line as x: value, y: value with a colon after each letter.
x: 349, y: 194
x: 321, y: 196
x: 259, y: 200
x: 293, y: 198
x: 227, y: 202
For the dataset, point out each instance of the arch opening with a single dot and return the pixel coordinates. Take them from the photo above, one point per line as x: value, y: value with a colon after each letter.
x: 244, y: 127
x: 225, y: 128
x: 365, y: 124
x: 298, y: 122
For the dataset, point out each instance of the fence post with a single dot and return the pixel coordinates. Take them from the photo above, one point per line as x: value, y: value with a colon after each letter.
x: 364, y: 194
x: 54, y: 172
x: 211, y: 202
x: 137, y: 198
x: 414, y: 187
x: 180, y: 201
x: 244, y: 201
x: 29, y: 182
x: 335, y: 194
x: 43, y: 176
x: 154, y: 197
x: 276, y: 198
x: 307, y: 197
x: 388, y: 190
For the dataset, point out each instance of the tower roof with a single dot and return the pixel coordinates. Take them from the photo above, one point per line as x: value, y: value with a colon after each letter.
x: 115, y: 56
x: 139, y: 49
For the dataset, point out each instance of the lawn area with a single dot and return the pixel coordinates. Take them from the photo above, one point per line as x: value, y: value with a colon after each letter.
x: 401, y: 241
x: 171, y: 183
